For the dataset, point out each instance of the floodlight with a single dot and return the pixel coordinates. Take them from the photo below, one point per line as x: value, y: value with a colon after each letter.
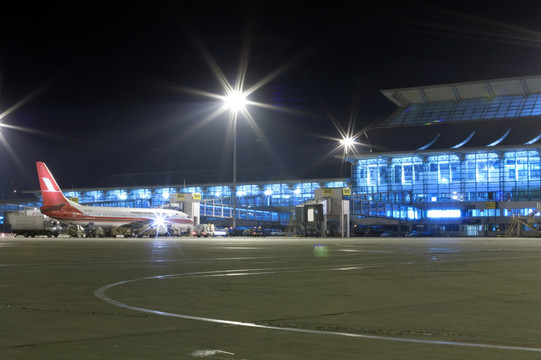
x: 235, y: 101
x: 347, y: 142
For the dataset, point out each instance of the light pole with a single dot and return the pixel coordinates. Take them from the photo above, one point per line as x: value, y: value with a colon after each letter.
x: 235, y: 101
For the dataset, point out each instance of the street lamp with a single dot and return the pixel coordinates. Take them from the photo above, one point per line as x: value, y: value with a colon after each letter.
x: 347, y: 142
x: 235, y: 101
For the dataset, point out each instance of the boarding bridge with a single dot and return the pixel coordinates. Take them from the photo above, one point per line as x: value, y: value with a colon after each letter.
x: 327, y: 214
x: 220, y: 208
x: 195, y: 207
x: 216, y: 208
x: 383, y: 210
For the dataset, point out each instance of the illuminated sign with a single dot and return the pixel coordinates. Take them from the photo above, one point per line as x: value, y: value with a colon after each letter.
x: 328, y: 192
x: 346, y: 192
x: 490, y: 205
x: 183, y: 197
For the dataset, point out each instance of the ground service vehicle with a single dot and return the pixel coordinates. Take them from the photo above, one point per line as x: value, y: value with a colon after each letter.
x: 204, y: 230
x: 120, y: 231
x: 75, y: 231
x: 221, y: 232
x: 255, y: 231
x: 159, y: 231
x: 94, y: 231
x: 32, y: 223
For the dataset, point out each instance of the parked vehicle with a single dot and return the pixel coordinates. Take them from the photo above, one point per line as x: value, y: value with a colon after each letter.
x: 32, y: 223
x: 235, y: 232
x: 94, y: 231
x: 255, y: 231
x: 428, y: 232
x: 76, y: 231
x: 204, y: 230
x: 221, y: 232
x: 152, y: 231
x: 273, y: 232
x: 358, y: 230
x: 374, y: 231
x: 416, y: 233
x: 120, y: 231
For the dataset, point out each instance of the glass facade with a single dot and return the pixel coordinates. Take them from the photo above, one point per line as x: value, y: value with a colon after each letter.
x: 396, y: 182
x: 499, y: 107
x: 271, y: 202
x: 460, y: 188
x: 479, y: 176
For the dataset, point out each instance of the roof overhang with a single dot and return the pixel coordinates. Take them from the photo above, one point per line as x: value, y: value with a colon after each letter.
x: 463, y: 91
x: 436, y: 152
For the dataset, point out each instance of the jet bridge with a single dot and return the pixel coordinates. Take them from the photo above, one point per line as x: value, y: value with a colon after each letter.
x: 188, y: 203
x: 218, y: 208
x: 327, y: 214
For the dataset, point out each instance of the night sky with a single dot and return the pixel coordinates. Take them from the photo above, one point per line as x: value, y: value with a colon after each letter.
x: 95, y: 89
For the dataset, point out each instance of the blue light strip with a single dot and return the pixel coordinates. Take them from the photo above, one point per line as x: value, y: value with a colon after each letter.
x: 500, y: 139
x: 460, y: 144
x: 534, y: 140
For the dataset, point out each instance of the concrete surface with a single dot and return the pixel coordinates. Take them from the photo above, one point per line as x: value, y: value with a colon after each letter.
x: 270, y: 298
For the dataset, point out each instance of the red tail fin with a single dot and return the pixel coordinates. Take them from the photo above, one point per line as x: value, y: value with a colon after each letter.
x: 50, y: 191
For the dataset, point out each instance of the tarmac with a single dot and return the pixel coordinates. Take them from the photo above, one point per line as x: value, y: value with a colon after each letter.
x: 270, y: 298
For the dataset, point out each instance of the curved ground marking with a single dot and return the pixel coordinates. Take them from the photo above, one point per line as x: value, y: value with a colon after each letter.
x: 101, y: 294
x: 207, y: 353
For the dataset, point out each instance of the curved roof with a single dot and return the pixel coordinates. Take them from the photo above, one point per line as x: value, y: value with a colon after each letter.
x: 463, y: 91
x: 453, y: 136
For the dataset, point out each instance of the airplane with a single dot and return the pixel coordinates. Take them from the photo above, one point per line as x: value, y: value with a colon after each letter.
x: 57, y: 206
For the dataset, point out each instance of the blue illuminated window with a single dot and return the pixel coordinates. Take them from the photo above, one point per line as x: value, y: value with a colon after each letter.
x: 469, y: 110
x: 438, y: 214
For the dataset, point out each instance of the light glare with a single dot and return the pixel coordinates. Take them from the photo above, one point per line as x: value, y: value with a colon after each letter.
x: 159, y: 222
x: 235, y: 101
x: 347, y: 142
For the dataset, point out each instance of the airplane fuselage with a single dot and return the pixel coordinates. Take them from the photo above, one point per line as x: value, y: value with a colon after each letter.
x: 107, y: 217
x: 57, y: 206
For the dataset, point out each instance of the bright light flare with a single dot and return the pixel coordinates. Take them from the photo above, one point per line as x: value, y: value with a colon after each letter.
x: 234, y: 97
x: 160, y: 222
x: 348, y: 139
x: 348, y: 142
x: 235, y: 101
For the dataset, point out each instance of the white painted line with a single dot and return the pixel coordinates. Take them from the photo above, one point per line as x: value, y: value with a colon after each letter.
x: 207, y: 353
x: 101, y: 293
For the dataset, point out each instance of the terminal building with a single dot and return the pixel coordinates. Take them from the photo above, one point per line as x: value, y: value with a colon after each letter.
x: 455, y: 159
x: 452, y: 160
